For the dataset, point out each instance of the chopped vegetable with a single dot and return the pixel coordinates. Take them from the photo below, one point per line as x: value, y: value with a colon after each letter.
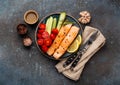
x: 55, y: 31
x: 42, y: 26
x: 68, y: 22
x: 40, y: 31
x: 54, y: 23
x: 61, y: 20
x: 49, y: 24
x: 40, y: 42
x: 44, y: 48
x: 47, y: 41
x: 39, y: 35
x: 52, y: 36
x: 45, y: 34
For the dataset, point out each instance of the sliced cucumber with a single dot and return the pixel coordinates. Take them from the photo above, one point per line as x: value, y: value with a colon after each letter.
x: 54, y: 23
x: 49, y: 24
x: 67, y: 22
x: 61, y: 20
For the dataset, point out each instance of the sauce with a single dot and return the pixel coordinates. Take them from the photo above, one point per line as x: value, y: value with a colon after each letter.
x: 31, y: 17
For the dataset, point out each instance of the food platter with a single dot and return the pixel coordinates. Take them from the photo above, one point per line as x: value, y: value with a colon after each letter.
x: 56, y: 15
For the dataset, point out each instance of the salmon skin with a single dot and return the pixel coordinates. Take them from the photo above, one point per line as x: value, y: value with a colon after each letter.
x: 66, y: 42
x: 59, y: 38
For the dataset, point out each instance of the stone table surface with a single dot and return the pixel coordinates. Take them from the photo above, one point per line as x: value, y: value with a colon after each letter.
x: 22, y: 66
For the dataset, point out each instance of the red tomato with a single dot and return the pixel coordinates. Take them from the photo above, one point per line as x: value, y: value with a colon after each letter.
x: 39, y: 35
x: 55, y: 31
x: 52, y: 36
x: 42, y: 26
x: 40, y: 42
x: 41, y: 31
x: 47, y: 41
x: 44, y: 48
x: 45, y: 34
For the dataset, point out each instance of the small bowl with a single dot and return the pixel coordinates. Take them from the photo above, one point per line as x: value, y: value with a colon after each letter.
x: 31, y: 17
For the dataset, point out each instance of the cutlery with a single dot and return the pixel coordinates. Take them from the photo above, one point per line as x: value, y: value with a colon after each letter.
x: 76, y: 56
x: 70, y: 59
x: 83, y: 49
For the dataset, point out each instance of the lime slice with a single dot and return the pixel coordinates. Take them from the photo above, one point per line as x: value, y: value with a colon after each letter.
x: 79, y: 38
x: 73, y: 47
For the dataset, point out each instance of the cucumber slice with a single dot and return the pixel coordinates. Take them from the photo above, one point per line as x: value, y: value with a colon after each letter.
x: 61, y: 20
x: 67, y: 22
x: 54, y: 23
x: 49, y: 24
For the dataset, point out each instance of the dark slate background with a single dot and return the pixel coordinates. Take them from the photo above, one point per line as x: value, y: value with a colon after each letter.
x: 21, y: 66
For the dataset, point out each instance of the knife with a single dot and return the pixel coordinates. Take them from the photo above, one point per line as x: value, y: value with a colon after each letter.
x: 83, y: 49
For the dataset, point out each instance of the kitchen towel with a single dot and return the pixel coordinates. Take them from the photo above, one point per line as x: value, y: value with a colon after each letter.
x: 93, y: 48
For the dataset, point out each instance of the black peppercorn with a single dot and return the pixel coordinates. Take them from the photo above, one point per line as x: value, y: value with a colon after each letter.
x: 27, y: 41
x: 22, y: 29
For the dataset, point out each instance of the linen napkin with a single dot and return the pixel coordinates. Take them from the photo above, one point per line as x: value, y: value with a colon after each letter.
x: 93, y: 48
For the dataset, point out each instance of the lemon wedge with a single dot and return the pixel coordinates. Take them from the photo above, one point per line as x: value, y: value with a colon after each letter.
x: 79, y: 38
x: 75, y: 45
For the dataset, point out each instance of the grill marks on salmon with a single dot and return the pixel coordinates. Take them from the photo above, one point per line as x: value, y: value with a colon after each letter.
x: 66, y: 42
x: 59, y: 38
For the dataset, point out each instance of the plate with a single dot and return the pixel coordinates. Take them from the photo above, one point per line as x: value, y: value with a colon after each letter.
x: 56, y: 15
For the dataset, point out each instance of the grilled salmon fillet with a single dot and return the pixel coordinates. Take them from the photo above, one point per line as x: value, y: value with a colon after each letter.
x: 66, y: 42
x: 59, y: 38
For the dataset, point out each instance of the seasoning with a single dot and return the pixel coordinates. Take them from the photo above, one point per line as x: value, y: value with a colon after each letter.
x: 22, y: 29
x: 31, y: 17
x: 27, y: 41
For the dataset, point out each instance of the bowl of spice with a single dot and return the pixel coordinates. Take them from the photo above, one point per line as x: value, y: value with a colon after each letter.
x: 31, y: 17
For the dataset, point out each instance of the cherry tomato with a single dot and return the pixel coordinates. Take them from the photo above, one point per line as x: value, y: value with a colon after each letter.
x: 45, y: 34
x: 40, y: 31
x: 47, y: 41
x: 39, y: 36
x: 52, y: 36
x: 55, y: 31
x: 44, y: 48
x: 42, y: 26
x: 40, y: 42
